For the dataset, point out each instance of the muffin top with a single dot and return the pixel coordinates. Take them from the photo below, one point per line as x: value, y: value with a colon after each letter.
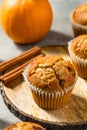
x: 51, y: 73
x: 80, y: 14
x: 24, y: 126
x: 79, y: 46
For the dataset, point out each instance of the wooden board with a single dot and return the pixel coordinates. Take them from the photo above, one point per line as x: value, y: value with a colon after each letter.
x: 73, y: 116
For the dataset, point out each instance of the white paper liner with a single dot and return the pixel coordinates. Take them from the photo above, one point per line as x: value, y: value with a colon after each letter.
x: 78, y: 28
x: 80, y: 63
x: 48, y: 95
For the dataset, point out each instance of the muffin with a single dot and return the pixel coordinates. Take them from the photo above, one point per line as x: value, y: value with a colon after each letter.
x: 24, y: 126
x: 51, y: 80
x: 78, y: 19
x: 78, y: 54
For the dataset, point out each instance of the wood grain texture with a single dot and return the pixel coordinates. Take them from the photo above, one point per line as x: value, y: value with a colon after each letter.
x: 73, y: 116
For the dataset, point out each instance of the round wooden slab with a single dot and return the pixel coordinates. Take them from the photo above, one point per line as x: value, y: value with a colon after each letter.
x: 18, y: 98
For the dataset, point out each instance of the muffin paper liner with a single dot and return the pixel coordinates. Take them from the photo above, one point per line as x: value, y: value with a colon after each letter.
x: 79, y: 63
x: 78, y: 29
x: 50, y: 100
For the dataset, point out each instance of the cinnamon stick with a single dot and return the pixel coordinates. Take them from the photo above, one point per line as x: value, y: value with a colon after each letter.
x: 6, y: 78
x: 27, y: 54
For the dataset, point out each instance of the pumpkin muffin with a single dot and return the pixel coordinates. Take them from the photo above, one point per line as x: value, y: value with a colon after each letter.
x: 24, y: 126
x: 79, y: 20
x: 51, y: 80
x: 78, y: 53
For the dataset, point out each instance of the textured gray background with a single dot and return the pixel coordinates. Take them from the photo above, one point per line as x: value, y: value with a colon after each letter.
x: 60, y: 33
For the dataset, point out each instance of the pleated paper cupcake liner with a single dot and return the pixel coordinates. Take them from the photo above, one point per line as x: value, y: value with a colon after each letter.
x: 78, y: 29
x: 50, y: 100
x: 79, y: 63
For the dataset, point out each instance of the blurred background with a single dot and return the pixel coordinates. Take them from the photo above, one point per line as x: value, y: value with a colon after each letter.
x: 60, y: 34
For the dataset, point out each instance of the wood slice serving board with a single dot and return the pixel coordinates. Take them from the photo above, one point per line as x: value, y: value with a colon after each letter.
x: 73, y: 116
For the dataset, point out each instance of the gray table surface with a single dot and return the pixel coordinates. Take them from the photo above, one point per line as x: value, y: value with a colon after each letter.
x: 60, y: 33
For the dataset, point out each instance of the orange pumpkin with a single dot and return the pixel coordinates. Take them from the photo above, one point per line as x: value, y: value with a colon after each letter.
x: 26, y: 21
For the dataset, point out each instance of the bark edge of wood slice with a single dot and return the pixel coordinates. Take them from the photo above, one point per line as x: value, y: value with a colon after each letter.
x: 18, y: 98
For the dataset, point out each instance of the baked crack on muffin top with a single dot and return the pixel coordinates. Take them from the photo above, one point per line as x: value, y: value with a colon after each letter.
x: 51, y: 73
x: 79, y: 46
